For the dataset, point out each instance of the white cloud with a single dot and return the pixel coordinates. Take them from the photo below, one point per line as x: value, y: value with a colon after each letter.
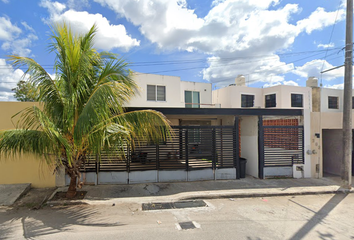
x: 290, y: 83
x: 231, y: 29
x: 77, y: 4
x: 109, y: 36
x: 335, y: 86
x: 320, y: 19
x: 276, y: 83
x: 12, y: 37
x: 330, y: 45
x: 314, y: 68
x: 54, y: 8
x: 8, y: 31
x: 5, y: 1
x: 9, y: 78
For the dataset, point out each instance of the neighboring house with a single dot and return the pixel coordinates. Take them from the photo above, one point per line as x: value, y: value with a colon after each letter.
x: 284, y: 138
x: 281, y: 96
x: 326, y: 129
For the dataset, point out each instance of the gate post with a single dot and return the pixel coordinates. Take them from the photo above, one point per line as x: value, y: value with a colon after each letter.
x: 186, y: 149
x: 213, y: 150
x: 260, y: 148
x: 236, y: 147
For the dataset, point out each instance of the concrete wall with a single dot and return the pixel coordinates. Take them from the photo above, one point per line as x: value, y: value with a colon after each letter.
x: 270, y: 172
x: 249, y: 143
x: 316, y: 145
x: 332, y: 151
x: 172, y: 89
x: 22, y: 168
x: 230, y: 97
x: 316, y: 99
x: 283, y: 96
x: 325, y: 93
x: 204, y: 90
x: 156, y: 176
x: 307, y: 143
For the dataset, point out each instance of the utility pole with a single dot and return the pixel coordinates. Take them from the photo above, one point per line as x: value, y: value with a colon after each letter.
x: 347, y: 101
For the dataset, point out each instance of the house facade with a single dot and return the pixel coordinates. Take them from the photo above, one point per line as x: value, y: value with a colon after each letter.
x: 285, y: 131
x: 214, y: 130
x: 326, y: 129
x: 273, y: 128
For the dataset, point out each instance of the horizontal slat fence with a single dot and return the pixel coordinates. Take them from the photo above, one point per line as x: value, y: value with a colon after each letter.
x: 189, y: 148
x: 283, y: 146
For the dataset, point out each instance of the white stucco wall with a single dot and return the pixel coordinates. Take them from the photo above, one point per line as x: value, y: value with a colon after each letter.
x: 204, y: 90
x: 174, y: 91
x: 283, y: 96
x: 249, y: 143
x: 307, y: 143
x: 230, y: 97
x: 325, y: 93
x: 173, y: 87
x: 222, y: 96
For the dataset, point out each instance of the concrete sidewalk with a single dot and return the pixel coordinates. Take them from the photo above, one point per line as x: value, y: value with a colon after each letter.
x: 9, y: 193
x: 248, y: 187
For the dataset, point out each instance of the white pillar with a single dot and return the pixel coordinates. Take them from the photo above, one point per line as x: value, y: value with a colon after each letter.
x: 307, y: 143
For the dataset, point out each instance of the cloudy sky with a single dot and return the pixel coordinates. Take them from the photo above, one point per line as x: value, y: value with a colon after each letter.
x: 269, y: 41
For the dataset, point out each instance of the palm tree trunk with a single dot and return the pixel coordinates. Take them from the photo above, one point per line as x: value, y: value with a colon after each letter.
x: 71, y: 193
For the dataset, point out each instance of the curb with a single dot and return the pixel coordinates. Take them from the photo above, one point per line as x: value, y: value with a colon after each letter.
x: 257, y: 195
x: 204, y: 196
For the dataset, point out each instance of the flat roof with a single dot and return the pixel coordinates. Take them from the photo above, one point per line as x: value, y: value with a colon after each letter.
x: 224, y: 111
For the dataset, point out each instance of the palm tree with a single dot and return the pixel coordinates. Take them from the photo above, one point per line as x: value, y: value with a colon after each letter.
x: 81, y: 109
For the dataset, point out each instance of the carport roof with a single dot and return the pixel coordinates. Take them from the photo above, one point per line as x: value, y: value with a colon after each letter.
x: 224, y: 111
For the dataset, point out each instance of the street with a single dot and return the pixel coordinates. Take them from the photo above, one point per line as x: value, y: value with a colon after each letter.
x: 291, y: 217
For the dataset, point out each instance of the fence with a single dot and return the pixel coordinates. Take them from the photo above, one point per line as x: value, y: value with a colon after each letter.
x: 190, y: 148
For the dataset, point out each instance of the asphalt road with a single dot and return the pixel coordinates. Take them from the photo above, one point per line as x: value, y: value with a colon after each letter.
x: 294, y: 217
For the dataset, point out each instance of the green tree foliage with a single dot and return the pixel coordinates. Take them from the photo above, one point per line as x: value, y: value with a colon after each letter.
x: 26, y: 92
x: 81, y: 109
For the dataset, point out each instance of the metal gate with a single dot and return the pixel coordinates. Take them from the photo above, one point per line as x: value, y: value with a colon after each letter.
x: 280, y: 145
x: 203, y: 152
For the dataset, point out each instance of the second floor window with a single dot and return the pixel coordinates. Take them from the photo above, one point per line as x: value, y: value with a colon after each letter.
x: 270, y: 100
x: 191, y: 99
x: 296, y: 100
x: 333, y: 102
x: 156, y: 93
x: 247, y: 100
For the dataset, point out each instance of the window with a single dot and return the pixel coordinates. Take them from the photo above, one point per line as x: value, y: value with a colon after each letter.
x: 270, y: 100
x: 296, y: 100
x: 247, y: 100
x: 156, y: 93
x: 333, y: 102
x: 191, y: 99
x: 352, y: 102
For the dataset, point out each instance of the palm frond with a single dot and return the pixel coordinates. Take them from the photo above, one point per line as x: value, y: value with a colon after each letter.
x: 36, y: 142
x: 32, y: 118
x: 145, y: 125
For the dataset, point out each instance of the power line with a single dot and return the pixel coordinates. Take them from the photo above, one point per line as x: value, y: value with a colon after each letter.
x: 330, y: 39
x: 201, y: 60
x: 244, y: 62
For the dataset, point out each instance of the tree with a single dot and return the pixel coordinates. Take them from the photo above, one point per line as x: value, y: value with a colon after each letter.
x: 25, y: 92
x: 81, y: 109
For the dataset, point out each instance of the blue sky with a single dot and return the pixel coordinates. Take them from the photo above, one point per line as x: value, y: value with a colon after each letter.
x: 271, y: 42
